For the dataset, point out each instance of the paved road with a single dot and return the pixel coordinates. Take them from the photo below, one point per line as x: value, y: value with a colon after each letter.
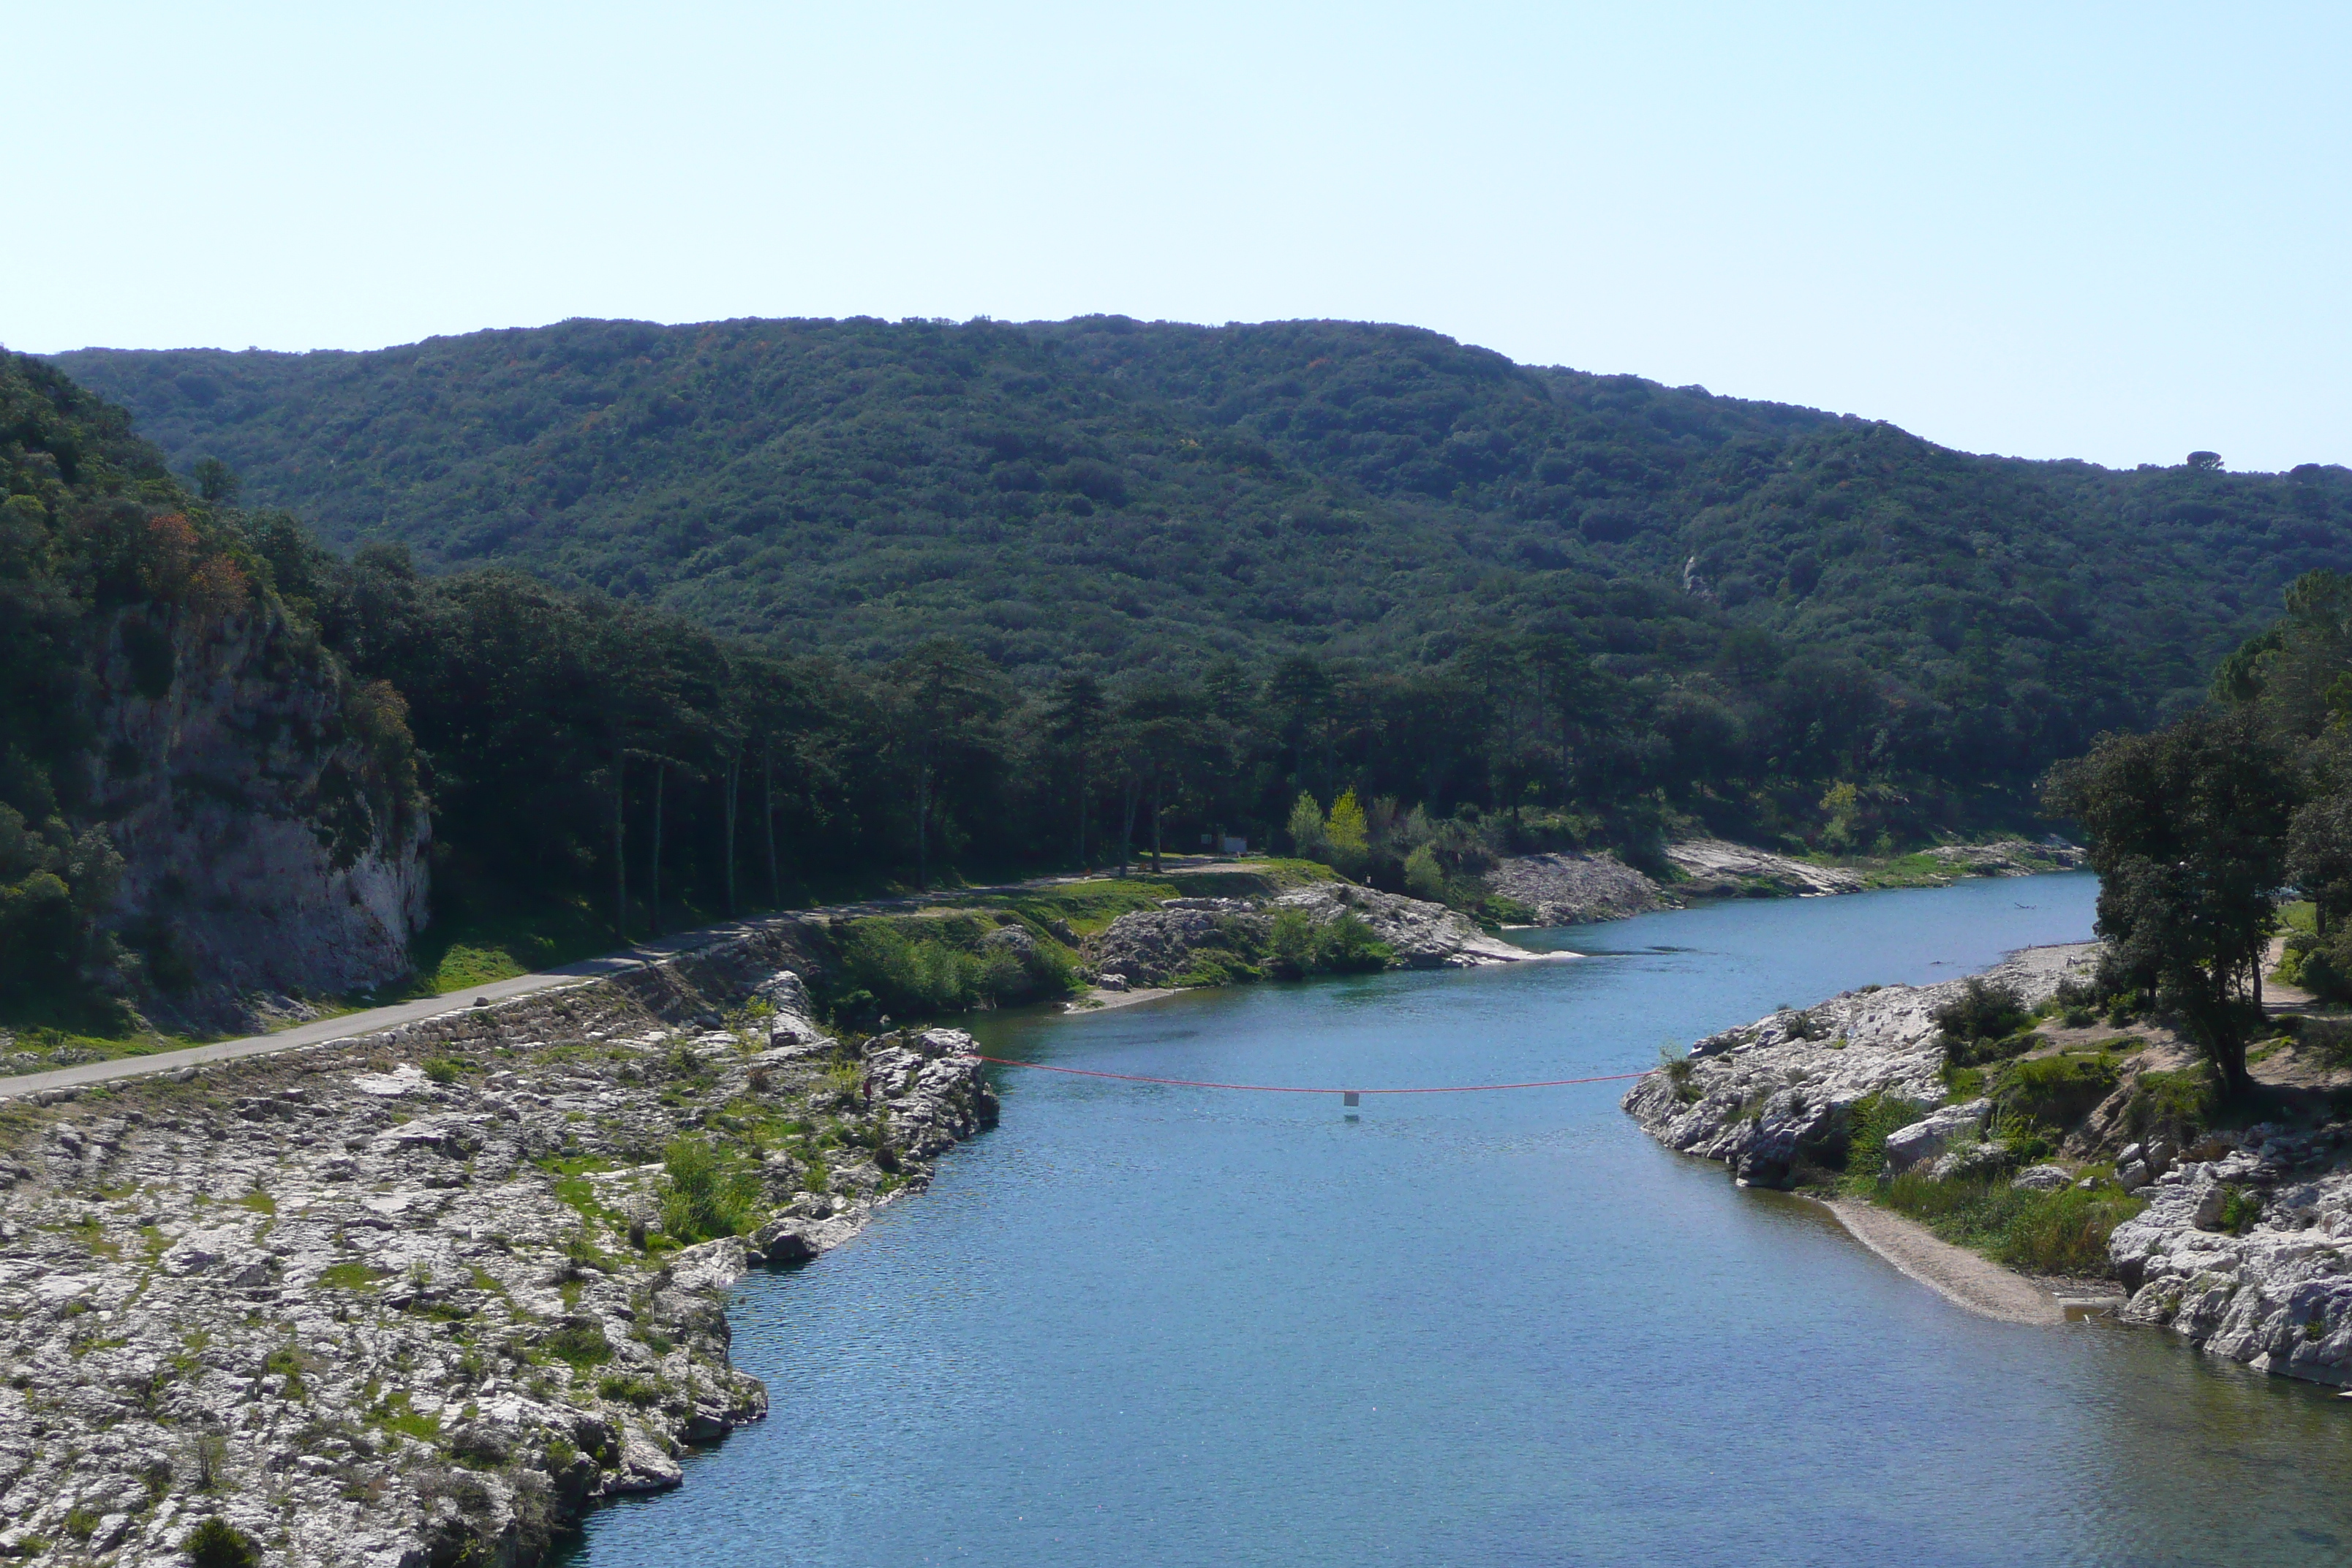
x: 347, y: 1025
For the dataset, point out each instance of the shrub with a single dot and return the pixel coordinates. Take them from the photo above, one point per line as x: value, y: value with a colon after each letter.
x: 216, y: 1543
x: 1290, y: 942
x: 1679, y: 1069
x: 704, y: 1195
x: 2063, y: 1232
x: 2053, y: 1091
x: 913, y: 969
x: 1423, y: 877
x: 444, y: 1069
x: 579, y: 1346
x: 1295, y: 945
x: 1980, y: 1023
x: 1872, y: 1118
x: 2240, y: 1210
x: 1305, y: 826
x: 2177, y: 1104
x: 1347, y: 946
x: 2327, y: 1040
x: 2322, y: 968
x: 908, y: 976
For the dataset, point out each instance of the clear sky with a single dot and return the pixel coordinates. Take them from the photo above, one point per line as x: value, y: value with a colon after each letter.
x: 2114, y: 232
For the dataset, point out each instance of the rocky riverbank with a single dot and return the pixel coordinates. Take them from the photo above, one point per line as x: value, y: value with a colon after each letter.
x: 2241, y: 1239
x: 421, y: 1297
x: 1577, y: 888
x: 1758, y: 1097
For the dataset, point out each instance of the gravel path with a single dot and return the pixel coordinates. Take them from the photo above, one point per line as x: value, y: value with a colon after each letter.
x: 1961, y: 1276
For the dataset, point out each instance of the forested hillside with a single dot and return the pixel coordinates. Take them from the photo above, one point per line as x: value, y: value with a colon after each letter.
x: 1108, y: 494
x: 763, y: 606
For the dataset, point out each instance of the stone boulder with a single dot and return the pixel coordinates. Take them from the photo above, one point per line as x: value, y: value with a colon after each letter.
x: 1928, y: 1137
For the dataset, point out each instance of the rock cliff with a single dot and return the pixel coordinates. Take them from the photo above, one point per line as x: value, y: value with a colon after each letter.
x: 421, y: 1297
x: 272, y: 836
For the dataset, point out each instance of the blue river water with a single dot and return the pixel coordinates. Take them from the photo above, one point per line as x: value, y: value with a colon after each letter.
x: 1144, y: 1325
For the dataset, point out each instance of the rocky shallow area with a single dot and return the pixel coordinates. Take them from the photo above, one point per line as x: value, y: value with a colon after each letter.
x: 2245, y: 1246
x: 421, y: 1297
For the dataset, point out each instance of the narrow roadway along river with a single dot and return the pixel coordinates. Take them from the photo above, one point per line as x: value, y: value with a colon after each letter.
x: 1140, y: 1325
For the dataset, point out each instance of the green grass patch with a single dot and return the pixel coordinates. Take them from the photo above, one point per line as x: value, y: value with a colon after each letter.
x: 350, y: 1277
x: 571, y: 1183
x: 471, y: 944
x: 394, y: 1413
x: 630, y: 1389
x: 2053, y: 1092
x: 579, y: 1347
x: 2178, y: 1104
x: 2061, y: 1232
x: 707, y: 1192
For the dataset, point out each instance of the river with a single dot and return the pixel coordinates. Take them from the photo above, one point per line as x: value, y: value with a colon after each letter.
x: 1144, y: 1325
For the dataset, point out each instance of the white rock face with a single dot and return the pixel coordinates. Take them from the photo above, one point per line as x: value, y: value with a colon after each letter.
x: 256, y: 822
x: 419, y: 1321
x: 1753, y: 1097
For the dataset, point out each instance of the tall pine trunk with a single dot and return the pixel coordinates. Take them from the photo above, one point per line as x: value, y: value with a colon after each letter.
x: 767, y: 816
x: 652, y: 881
x: 620, y: 856
x: 734, y: 776
x: 1155, y: 822
x: 1127, y: 825
x: 923, y: 823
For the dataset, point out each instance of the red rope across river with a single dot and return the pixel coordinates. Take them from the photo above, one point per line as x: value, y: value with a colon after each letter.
x: 1291, y: 1088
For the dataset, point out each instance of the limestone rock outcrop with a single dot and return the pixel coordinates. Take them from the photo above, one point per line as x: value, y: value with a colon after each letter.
x: 1574, y: 890
x: 271, y: 846
x: 1154, y: 947
x: 2247, y: 1253
x: 1716, y: 868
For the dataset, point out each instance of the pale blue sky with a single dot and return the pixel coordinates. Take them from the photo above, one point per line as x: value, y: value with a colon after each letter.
x: 2114, y: 232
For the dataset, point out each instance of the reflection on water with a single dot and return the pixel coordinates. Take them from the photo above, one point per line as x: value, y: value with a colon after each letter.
x: 1162, y: 1326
